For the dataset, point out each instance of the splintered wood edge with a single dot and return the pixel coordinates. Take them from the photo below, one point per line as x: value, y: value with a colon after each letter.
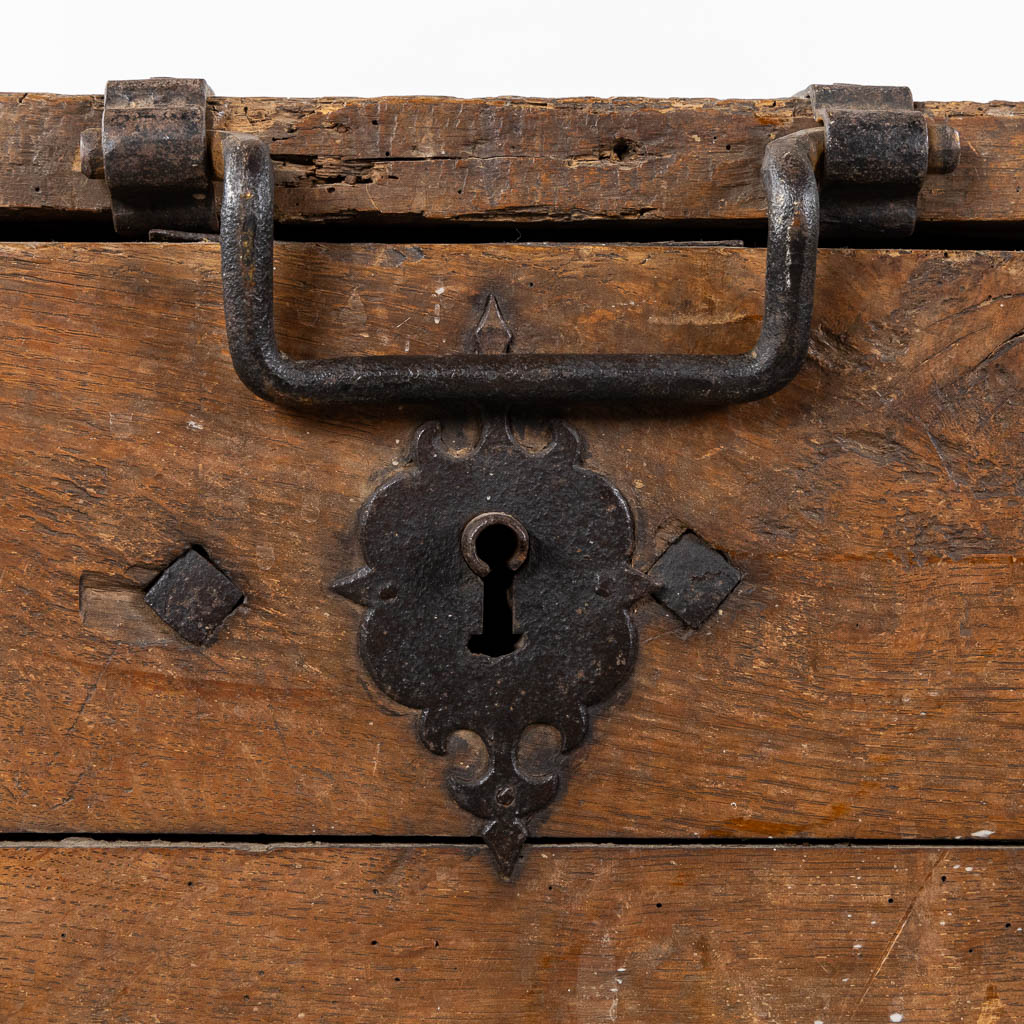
x: 417, y: 160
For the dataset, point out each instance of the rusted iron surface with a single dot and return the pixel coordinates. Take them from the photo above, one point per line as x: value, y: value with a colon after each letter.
x: 878, y: 150
x: 194, y: 597
x: 540, y: 653
x: 326, y: 385
x: 152, y: 150
x: 693, y: 579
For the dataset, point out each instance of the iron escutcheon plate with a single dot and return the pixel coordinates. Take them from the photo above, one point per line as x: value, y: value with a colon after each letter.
x: 549, y: 635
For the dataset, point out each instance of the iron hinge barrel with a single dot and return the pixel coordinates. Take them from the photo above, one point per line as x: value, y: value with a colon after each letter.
x: 152, y: 150
x: 878, y: 150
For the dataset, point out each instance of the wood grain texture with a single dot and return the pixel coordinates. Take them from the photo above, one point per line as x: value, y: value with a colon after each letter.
x: 865, y: 680
x: 427, y: 159
x: 586, y: 934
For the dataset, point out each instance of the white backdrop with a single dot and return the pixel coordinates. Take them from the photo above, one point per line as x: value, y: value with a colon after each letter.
x: 943, y: 50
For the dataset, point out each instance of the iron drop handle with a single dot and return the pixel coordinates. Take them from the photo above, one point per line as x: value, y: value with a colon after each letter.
x: 327, y: 385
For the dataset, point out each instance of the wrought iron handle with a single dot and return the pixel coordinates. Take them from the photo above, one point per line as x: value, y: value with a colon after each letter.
x: 326, y: 385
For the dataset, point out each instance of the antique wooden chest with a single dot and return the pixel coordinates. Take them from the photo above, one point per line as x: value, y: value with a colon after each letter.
x: 505, y: 597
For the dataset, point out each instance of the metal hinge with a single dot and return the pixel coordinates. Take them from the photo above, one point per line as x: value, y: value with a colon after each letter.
x: 152, y: 150
x: 878, y: 150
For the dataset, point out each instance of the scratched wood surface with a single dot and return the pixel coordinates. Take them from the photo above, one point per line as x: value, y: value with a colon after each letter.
x: 866, y: 679
x: 419, y: 160
x: 427, y: 933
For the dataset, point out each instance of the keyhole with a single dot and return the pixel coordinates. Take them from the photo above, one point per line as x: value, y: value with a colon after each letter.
x: 495, y: 546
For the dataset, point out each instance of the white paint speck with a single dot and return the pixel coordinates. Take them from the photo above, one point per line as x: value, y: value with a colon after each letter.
x: 193, y: 425
x: 895, y: 1017
x: 439, y: 290
x: 982, y: 833
x: 857, y: 945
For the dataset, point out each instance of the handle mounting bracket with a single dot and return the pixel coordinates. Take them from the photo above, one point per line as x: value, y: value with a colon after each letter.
x: 878, y: 150
x: 152, y: 150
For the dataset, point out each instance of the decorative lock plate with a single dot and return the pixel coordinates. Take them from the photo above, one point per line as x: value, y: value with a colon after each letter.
x: 498, y: 586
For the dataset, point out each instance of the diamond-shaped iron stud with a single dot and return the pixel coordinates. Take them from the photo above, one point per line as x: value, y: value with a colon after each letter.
x: 193, y: 597
x: 693, y: 579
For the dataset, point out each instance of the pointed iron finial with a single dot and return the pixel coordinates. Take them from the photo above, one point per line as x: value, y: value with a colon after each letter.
x: 505, y: 838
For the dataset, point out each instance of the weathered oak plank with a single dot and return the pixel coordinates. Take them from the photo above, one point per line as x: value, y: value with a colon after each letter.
x: 586, y: 934
x: 427, y: 159
x: 865, y: 680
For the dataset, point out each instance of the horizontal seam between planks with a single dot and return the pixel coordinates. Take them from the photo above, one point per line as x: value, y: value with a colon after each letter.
x: 261, y: 841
